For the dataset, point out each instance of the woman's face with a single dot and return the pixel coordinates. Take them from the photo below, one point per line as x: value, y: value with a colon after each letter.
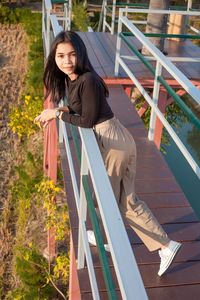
x: 66, y: 59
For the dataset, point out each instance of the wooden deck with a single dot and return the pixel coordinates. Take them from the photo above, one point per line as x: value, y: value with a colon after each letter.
x: 102, y: 46
x: 156, y: 185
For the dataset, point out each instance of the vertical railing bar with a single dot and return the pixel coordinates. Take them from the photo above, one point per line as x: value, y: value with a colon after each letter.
x: 60, y: 132
x: 113, y: 17
x: 76, y: 142
x: 118, y: 45
x: 156, y: 90
x: 48, y: 31
x: 82, y: 211
x: 104, y: 15
x: 71, y: 166
x: 91, y: 271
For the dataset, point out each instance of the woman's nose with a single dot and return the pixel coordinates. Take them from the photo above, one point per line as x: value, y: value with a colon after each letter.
x: 67, y: 60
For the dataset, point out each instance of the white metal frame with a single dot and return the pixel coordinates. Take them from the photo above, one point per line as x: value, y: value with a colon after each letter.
x: 46, y: 23
x: 66, y: 19
x: 162, y: 62
x: 114, y: 17
x: 125, y: 265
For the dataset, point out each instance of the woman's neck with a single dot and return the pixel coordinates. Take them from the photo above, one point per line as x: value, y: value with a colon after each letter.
x: 73, y: 76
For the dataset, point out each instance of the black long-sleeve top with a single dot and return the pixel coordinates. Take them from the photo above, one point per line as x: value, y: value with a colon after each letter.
x: 87, y: 101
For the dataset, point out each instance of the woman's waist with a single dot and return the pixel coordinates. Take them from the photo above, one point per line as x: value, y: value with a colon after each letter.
x: 104, y: 123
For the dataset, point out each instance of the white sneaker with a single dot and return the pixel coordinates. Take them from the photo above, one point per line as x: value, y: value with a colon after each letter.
x: 92, y: 240
x: 167, y: 255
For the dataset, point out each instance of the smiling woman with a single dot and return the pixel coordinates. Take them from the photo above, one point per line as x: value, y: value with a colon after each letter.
x: 69, y: 72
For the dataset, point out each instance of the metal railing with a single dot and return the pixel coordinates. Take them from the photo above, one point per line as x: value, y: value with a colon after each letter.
x: 47, y: 14
x: 161, y: 62
x: 92, y: 166
x: 112, y: 11
x: 184, y: 36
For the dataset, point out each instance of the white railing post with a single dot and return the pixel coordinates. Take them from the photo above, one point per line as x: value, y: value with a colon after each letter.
x: 156, y: 90
x: 104, y: 15
x: 118, y: 45
x: 48, y: 31
x: 82, y: 211
x: 189, y: 5
x: 60, y: 132
x: 67, y: 15
x: 113, y: 17
x: 43, y: 16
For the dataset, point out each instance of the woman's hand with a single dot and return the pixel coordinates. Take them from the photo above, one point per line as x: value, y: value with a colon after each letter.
x: 46, y: 116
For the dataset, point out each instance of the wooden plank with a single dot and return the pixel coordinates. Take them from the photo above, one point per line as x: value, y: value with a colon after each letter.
x: 186, y: 232
x: 178, y: 292
x: 179, y: 274
x: 123, y: 108
x: 153, y: 173
x: 189, y: 252
x: 164, y: 199
x: 101, y: 53
x: 185, y: 292
x: 104, y: 45
x: 95, y: 60
x: 155, y: 186
x: 175, y: 215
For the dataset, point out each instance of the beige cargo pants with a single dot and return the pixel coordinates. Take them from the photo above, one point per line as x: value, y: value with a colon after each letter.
x: 118, y: 150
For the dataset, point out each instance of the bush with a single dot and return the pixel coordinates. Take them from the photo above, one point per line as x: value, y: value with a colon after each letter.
x: 22, y: 117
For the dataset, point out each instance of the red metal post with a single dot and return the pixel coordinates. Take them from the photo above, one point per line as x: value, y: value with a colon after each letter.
x: 128, y: 90
x: 50, y: 170
x: 162, y: 103
x: 74, y: 288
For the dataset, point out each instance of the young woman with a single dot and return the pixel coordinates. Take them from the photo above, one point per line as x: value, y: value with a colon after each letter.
x: 68, y: 72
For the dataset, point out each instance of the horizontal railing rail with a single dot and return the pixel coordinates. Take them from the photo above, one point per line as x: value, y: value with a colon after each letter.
x: 140, y: 8
x: 92, y: 166
x: 161, y: 62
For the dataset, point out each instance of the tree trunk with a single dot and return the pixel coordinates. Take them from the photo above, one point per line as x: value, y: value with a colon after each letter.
x: 157, y: 24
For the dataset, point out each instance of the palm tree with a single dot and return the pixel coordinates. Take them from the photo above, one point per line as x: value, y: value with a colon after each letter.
x: 157, y: 23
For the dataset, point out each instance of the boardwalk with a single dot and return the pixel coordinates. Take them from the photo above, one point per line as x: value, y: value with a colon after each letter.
x: 156, y: 185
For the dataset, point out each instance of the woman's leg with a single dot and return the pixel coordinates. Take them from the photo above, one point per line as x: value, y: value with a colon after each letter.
x: 119, y: 156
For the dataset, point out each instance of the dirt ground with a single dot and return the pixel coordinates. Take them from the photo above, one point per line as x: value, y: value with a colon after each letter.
x: 13, y: 66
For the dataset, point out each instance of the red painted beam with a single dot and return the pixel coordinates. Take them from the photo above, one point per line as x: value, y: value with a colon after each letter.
x: 50, y: 170
x: 74, y: 288
x: 148, y: 83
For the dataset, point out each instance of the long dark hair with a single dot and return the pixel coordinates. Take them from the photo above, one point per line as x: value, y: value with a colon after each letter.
x: 54, y: 78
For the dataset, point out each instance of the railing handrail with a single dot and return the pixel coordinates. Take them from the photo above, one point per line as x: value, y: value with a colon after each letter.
x: 162, y: 61
x: 112, y: 8
x: 126, y: 268
x: 165, y: 62
x: 160, y: 11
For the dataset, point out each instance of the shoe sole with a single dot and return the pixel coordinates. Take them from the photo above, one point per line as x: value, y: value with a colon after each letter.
x: 171, y: 259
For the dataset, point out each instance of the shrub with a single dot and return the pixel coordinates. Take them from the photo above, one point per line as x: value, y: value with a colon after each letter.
x: 22, y: 117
